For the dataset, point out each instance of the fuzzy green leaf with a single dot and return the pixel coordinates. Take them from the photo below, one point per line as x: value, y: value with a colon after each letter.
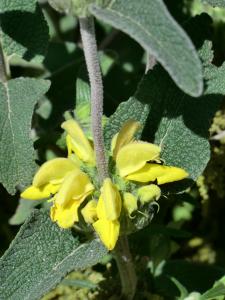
x: 174, y: 119
x: 150, y: 23
x: 216, y: 292
x: 18, y: 98
x: 180, y: 123
x: 23, y: 211
x: 40, y: 257
x: 219, y: 3
x: 23, y: 29
x: 131, y: 109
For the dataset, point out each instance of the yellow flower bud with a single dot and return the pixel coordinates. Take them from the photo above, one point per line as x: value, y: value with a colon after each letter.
x: 149, y: 193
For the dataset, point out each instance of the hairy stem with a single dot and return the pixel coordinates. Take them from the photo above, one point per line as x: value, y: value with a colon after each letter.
x: 125, y: 265
x: 122, y: 252
x: 92, y: 61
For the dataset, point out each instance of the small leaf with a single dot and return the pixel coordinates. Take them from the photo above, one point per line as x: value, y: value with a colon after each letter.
x: 183, y: 291
x: 219, y: 3
x: 23, y: 29
x: 23, y: 210
x: 150, y: 23
x: 40, y: 256
x: 79, y: 283
x: 18, y: 98
x: 217, y: 290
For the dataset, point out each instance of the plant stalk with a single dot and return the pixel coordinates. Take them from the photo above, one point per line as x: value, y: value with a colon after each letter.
x: 121, y: 252
x: 125, y: 265
x: 87, y: 30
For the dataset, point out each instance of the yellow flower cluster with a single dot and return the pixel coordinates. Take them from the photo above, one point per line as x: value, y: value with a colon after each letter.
x: 63, y: 180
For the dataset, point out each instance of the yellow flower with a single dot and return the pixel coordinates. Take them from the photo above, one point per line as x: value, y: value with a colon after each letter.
x: 48, y: 178
x: 63, y: 178
x: 149, y: 193
x: 137, y: 160
x: 108, y: 212
x: 129, y: 203
x: 73, y: 191
x: 89, y: 212
x: 77, y: 142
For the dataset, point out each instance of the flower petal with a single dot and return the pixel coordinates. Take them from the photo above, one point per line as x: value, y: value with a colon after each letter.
x: 111, y: 199
x: 129, y: 203
x: 134, y: 156
x: 89, y: 212
x: 36, y: 193
x: 54, y: 169
x: 100, y: 209
x: 76, y: 185
x: 78, y: 143
x: 67, y: 215
x: 163, y: 174
x: 149, y: 193
x: 108, y: 232
x: 125, y: 136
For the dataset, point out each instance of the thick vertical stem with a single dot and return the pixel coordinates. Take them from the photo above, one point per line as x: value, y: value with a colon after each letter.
x: 125, y: 265
x: 91, y: 56
x: 122, y: 252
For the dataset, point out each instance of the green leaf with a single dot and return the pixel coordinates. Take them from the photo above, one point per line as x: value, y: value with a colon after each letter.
x: 183, y: 291
x: 23, y: 210
x: 131, y: 109
x: 216, y: 291
x: 150, y: 23
x: 23, y: 29
x: 180, y: 123
x: 219, y: 3
x: 63, y: 63
x: 79, y: 283
x: 40, y: 256
x: 18, y: 98
x: 194, y: 276
x: 174, y: 121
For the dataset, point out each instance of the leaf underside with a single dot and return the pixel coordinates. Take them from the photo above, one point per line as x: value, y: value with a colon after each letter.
x: 150, y: 24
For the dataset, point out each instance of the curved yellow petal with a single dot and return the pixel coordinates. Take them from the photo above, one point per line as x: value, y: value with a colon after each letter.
x: 100, y: 209
x: 65, y: 216
x: 111, y: 199
x: 89, y: 212
x: 125, y: 136
x: 129, y: 203
x: 79, y: 143
x: 134, y: 156
x: 149, y: 193
x: 37, y: 193
x: 163, y: 174
x: 108, y: 232
x: 54, y: 169
x: 76, y: 185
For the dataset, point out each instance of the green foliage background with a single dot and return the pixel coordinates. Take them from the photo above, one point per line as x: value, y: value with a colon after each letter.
x: 182, y: 251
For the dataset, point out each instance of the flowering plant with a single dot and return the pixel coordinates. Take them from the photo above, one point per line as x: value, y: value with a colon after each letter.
x: 69, y: 186
x: 105, y: 185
